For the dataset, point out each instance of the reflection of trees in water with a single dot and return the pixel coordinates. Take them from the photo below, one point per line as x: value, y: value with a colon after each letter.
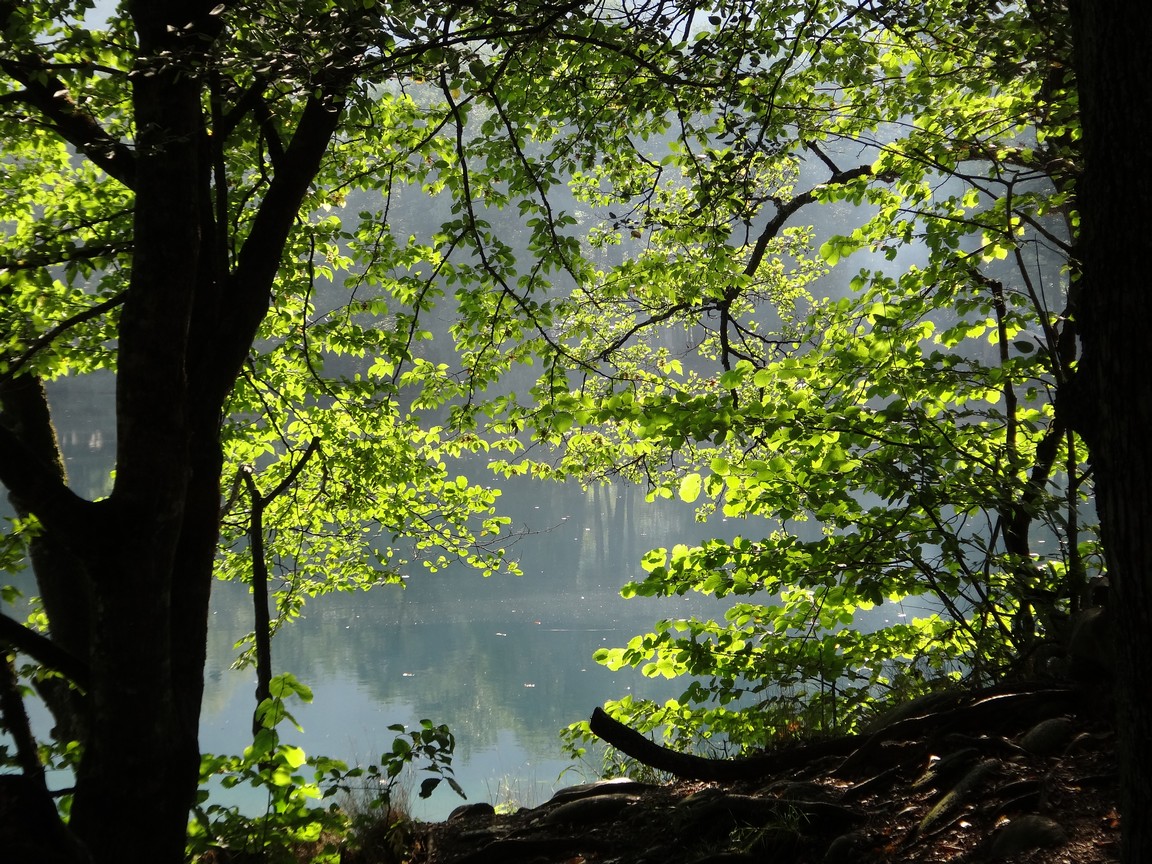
x: 86, y: 429
x: 231, y: 619
x: 469, y: 644
x: 469, y: 670
x: 460, y: 649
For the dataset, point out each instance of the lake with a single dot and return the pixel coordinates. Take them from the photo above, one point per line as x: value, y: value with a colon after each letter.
x: 505, y: 661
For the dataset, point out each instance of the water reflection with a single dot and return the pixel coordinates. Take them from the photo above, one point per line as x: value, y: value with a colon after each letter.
x: 505, y: 661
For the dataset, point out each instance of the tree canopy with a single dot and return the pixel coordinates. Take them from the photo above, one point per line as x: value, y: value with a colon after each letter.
x: 876, y: 401
x: 815, y: 264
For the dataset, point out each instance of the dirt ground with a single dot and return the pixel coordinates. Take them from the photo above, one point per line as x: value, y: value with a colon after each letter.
x: 1025, y: 775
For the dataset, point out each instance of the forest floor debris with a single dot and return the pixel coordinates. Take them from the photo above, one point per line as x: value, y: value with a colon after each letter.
x: 1025, y: 776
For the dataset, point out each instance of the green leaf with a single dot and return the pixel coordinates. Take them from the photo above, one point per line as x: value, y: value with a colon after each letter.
x: 830, y: 252
x: 690, y: 486
x: 293, y: 757
x: 286, y: 684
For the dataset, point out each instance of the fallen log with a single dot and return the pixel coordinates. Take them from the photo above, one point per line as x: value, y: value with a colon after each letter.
x: 992, y: 709
x: 690, y: 767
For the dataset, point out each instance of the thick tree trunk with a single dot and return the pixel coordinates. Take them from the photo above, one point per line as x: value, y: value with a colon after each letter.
x: 141, y: 757
x: 1112, y: 405
x: 145, y: 555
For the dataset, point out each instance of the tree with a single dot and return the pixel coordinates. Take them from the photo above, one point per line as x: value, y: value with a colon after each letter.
x: 180, y: 193
x: 969, y: 119
x: 1112, y: 402
x: 169, y: 177
x: 891, y: 431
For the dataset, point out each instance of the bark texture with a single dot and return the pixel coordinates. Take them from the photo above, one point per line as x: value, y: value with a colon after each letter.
x: 141, y: 755
x: 126, y: 581
x: 1112, y: 406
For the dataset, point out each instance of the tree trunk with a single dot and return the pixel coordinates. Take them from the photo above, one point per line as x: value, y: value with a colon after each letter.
x: 130, y: 604
x: 1112, y: 402
x: 63, y: 591
x: 137, y: 779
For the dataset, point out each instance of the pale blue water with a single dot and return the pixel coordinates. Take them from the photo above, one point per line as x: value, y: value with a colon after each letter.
x: 506, y: 661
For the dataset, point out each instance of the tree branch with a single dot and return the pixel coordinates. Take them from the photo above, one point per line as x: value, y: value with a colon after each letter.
x: 16, y: 721
x: 262, y: 625
x: 40, y: 488
x: 45, y: 339
x: 692, y: 767
x: 252, y: 102
x: 48, y: 94
x: 43, y: 650
x: 259, y: 259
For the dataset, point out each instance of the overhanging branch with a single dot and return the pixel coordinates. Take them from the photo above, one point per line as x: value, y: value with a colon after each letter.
x: 47, y: 337
x: 43, y: 650
x: 49, y: 95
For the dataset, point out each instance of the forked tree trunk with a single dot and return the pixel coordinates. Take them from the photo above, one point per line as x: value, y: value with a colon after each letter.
x: 148, y: 551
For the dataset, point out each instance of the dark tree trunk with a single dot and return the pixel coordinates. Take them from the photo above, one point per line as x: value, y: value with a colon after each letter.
x: 151, y: 552
x: 1112, y: 401
x: 63, y: 592
x: 129, y: 604
x: 141, y: 755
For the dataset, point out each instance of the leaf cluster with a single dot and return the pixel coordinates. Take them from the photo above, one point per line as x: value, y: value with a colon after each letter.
x: 295, y: 784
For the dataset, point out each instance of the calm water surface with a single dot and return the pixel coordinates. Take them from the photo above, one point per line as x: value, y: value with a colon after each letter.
x: 505, y: 661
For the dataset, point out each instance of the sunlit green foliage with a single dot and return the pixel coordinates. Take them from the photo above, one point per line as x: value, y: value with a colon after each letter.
x: 295, y: 784
x: 878, y: 402
x: 805, y: 264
